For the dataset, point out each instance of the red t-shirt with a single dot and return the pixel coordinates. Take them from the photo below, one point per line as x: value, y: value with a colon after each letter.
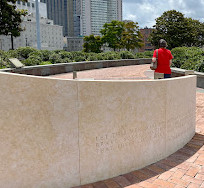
x: 164, y: 56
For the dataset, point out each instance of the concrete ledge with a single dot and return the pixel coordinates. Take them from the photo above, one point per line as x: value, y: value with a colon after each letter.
x: 200, y: 79
x: 45, y: 70
x: 177, y: 72
x: 65, y: 133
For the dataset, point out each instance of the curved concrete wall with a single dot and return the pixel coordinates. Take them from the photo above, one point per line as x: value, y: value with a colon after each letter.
x: 62, y: 133
x: 45, y: 70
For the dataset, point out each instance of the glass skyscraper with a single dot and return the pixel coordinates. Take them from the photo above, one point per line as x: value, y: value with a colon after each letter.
x: 61, y: 12
x: 77, y: 16
x: 95, y: 13
x: 83, y: 17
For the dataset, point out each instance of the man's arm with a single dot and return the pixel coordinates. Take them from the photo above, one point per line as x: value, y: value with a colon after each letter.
x: 170, y: 62
x: 154, y: 59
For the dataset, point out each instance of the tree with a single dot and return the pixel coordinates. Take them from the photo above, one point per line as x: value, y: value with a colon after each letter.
x: 177, y: 30
x: 131, y: 36
x: 112, y: 34
x: 92, y: 44
x: 10, y: 19
x: 195, y: 30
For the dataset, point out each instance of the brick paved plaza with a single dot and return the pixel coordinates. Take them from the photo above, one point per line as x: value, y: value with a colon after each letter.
x: 185, y: 168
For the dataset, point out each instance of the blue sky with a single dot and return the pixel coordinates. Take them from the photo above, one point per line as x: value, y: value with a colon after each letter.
x: 146, y: 11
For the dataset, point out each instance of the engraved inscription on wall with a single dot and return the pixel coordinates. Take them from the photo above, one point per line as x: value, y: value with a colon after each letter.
x: 125, y: 138
x: 145, y: 134
x: 178, y: 127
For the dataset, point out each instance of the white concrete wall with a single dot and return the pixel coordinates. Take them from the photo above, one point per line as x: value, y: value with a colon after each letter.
x: 51, y: 36
x: 62, y: 133
x: 32, y: 7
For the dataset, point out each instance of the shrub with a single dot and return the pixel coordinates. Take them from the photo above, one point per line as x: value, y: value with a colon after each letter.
x: 87, y: 55
x: 148, y: 54
x: 200, y: 65
x: 58, y: 51
x: 179, y: 54
x: 3, y: 55
x: 188, y: 65
x: 45, y: 63
x: 77, y: 53
x: 184, y: 55
x: 79, y: 58
x: 126, y: 55
x: 4, y: 59
x: 32, y: 60
x: 65, y: 54
x: 191, y: 58
x: 139, y: 55
x: 36, y: 53
x: 92, y: 58
x: 100, y: 56
x: 46, y: 54
x: 66, y: 60
x: 25, y: 51
x: 13, y: 54
x: 111, y: 56
x: 55, y: 58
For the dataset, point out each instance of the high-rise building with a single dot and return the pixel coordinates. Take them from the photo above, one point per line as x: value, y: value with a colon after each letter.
x: 95, y: 13
x: 62, y: 13
x: 77, y: 17
x: 83, y: 17
x: 114, y: 10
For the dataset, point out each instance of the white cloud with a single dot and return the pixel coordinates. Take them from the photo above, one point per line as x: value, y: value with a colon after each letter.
x: 131, y: 17
x: 146, y: 11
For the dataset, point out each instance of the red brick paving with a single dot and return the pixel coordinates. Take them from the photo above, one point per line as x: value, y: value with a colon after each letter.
x: 183, y: 169
x: 125, y: 72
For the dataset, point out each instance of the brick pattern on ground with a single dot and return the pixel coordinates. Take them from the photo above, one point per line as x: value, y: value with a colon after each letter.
x: 183, y: 169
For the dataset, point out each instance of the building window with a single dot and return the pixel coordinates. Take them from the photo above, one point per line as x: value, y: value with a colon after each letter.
x: 24, y: 3
x: 33, y: 5
x: 19, y: 2
x: 28, y: 4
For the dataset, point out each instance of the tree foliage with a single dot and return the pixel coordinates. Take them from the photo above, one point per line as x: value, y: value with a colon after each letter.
x: 121, y: 35
x: 92, y: 44
x: 112, y: 34
x: 131, y: 36
x: 177, y: 30
x: 116, y: 35
x: 10, y: 18
x: 195, y: 35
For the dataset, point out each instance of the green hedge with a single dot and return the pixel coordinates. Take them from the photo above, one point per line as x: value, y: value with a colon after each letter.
x: 191, y: 58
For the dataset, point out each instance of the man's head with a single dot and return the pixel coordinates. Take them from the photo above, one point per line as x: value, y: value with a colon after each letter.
x: 162, y: 43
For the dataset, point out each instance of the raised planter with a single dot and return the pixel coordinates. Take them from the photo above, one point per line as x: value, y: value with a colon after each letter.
x: 45, y: 70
